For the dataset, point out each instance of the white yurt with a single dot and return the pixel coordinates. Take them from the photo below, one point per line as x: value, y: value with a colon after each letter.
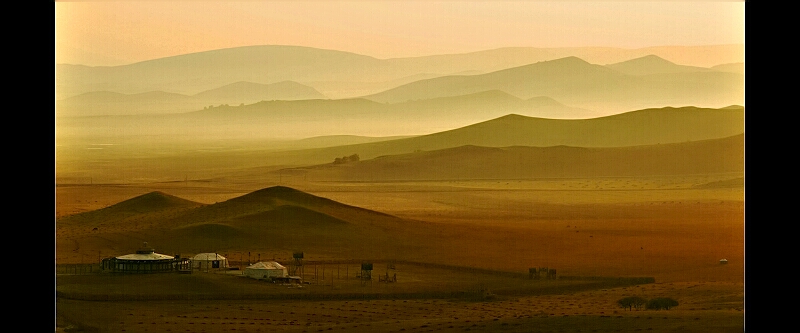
x: 265, y: 270
x: 145, y: 260
x: 209, y: 261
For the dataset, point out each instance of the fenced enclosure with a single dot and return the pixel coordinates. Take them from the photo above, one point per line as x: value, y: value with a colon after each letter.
x: 78, y: 269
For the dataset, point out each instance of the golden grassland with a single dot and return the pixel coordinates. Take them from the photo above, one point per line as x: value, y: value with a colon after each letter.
x: 674, y: 229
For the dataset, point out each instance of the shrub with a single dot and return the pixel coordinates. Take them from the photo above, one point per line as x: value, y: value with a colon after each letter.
x: 661, y: 303
x: 631, y: 302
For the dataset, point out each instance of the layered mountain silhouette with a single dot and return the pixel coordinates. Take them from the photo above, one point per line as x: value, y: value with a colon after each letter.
x: 249, y: 92
x: 318, y: 117
x: 111, y: 103
x: 192, y: 73
x: 640, y: 83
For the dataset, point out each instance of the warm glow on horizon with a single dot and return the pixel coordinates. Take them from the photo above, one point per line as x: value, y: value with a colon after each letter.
x: 121, y: 32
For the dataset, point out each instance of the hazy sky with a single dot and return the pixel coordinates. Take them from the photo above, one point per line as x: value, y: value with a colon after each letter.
x: 121, y: 32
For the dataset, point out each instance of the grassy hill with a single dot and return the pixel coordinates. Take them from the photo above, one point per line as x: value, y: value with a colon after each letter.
x: 130, y: 149
x: 714, y: 156
x: 643, y: 127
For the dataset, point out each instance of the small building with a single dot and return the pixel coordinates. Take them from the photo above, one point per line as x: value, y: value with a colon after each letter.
x: 209, y: 261
x: 723, y: 261
x: 265, y: 270
x: 145, y: 260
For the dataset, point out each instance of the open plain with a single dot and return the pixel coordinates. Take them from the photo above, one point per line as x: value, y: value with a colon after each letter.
x: 674, y: 229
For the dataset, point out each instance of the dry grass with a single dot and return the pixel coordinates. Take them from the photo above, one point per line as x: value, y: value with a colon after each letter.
x: 704, y: 307
x: 661, y: 227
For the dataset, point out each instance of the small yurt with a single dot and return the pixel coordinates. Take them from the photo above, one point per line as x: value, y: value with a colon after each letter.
x: 265, y: 270
x: 209, y: 261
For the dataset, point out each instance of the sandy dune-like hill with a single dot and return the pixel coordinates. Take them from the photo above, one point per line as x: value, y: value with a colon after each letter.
x: 155, y: 205
x: 281, y: 216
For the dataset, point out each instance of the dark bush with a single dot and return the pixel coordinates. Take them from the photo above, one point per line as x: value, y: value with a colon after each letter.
x: 631, y: 302
x: 661, y: 303
x: 347, y: 159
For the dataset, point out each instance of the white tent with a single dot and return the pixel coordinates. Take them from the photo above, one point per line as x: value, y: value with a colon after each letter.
x: 265, y: 270
x: 209, y: 261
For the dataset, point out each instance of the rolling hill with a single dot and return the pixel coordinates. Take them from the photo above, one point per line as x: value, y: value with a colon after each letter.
x: 144, y: 211
x: 130, y: 149
x: 643, y: 127
x: 270, y: 120
x: 249, y: 92
x: 732, y: 68
x: 112, y: 103
x: 578, y: 83
x: 283, y: 217
x: 725, y: 155
x: 652, y: 64
x: 195, y: 72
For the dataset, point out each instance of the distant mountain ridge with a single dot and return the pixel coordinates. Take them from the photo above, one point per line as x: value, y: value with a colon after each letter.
x: 636, y: 84
x: 652, y: 64
x: 249, y: 92
x: 155, y: 102
x: 280, y: 120
x: 191, y: 73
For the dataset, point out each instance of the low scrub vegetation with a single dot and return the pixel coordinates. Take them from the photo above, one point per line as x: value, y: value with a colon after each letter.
x: 635, y: 302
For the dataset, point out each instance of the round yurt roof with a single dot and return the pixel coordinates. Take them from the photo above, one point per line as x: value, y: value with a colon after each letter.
x: 145, y: 253
x: 145, y: 256
x: 266, y: 265
x: 208, y: 257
